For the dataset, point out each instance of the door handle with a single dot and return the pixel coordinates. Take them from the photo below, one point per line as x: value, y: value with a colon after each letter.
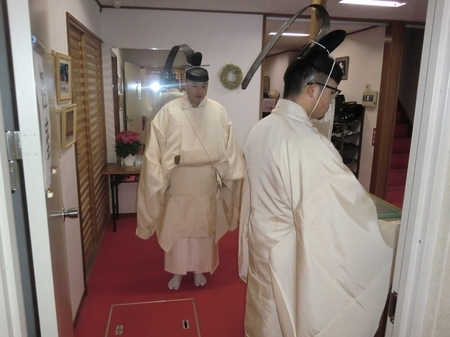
x: 70, y: 213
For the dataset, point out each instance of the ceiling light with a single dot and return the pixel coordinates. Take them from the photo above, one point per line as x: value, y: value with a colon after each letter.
x: 290, y: 34
x: 116, y: 3
x: 373, y: 3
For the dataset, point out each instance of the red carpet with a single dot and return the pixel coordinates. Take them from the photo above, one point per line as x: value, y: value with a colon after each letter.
x: 131, y: 270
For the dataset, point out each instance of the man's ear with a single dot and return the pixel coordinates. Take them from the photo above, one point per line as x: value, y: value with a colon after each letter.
x: 311, y: 90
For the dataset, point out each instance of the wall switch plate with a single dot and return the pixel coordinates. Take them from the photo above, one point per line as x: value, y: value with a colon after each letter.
x: 370, y: 97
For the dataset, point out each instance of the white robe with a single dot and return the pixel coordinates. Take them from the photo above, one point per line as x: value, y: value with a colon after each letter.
x: 195, y: 142
x: 310, y: 245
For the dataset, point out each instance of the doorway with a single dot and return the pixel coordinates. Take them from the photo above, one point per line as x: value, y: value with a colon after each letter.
x: 17, y: 221
x: 400, y: 76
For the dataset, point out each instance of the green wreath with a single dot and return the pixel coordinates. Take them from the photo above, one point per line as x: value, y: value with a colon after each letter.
x: 224, y: 76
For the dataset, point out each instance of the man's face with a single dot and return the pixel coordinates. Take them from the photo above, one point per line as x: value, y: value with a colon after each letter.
x: 327, y: 97
x: 196, y: 92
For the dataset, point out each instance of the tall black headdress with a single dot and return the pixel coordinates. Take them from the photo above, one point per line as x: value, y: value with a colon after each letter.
x: 193, y: 58
x: 197, y: 74
x: 317, y: 52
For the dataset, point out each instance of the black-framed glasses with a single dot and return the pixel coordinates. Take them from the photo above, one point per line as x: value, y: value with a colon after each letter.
x: 335, y: 92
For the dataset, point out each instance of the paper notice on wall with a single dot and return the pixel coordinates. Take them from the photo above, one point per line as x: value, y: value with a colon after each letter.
x: 44, y: 116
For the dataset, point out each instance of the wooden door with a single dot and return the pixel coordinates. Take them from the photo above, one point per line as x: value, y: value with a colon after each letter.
x: 85, y: 51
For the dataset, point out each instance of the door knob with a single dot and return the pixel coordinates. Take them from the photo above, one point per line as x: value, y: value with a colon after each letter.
x: 70, y: 213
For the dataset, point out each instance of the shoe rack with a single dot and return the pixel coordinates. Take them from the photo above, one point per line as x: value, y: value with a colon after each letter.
x: 347, y: 134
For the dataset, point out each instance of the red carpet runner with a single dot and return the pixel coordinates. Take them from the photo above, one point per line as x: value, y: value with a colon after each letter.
x: 131, y: 270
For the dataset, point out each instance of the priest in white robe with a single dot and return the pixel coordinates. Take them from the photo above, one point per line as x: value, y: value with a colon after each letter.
x: 311, y: 250
x: 190, y: 183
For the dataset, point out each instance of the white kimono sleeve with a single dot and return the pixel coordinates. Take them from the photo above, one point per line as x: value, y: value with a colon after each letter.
x: 152, y: 184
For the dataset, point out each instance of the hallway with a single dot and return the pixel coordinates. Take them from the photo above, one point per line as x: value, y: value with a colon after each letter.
x: 129, y: 270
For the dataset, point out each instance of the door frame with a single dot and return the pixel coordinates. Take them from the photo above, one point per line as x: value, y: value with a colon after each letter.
x: 18, y: 12
x: 115, y: 85
x: 387, y: 107
x: 427, y: 183
x: 12, y: 313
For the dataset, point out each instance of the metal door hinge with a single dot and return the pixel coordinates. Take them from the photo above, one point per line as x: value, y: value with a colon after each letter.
x: 392, y: 306
x: 14, y: 153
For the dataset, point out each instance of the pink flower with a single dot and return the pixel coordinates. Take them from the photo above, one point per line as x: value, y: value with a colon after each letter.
x: 127, y: 137
x: 127, y: 142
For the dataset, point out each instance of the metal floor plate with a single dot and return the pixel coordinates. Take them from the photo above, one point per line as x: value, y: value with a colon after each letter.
x: 157, y: 318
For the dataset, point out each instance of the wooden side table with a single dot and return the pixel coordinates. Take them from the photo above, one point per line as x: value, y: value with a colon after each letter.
x: 120, y: 174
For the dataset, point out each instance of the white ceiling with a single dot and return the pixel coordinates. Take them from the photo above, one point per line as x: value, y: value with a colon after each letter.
x: 413, y: 11
x: 350, y: 18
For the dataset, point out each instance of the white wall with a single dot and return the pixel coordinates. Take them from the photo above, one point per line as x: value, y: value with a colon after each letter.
x: 221, y: 38
x: 274, y: 67
x: 86, y: 12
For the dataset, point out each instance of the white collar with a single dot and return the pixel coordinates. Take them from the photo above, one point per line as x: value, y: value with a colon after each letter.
x: 292, y: 110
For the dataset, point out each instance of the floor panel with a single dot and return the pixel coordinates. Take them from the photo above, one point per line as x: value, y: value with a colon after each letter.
x: 158, y: 318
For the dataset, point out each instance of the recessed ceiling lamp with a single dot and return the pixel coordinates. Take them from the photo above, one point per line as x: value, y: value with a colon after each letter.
x: 116, y: 3
x: 373, y: 3
x: 290, y: 34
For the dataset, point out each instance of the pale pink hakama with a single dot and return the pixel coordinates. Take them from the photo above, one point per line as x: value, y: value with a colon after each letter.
x: 191, y: 208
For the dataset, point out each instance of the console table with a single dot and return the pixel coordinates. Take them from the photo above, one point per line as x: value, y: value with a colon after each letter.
x: 120, y: 174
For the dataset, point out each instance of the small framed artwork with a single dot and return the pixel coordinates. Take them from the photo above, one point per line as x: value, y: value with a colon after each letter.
x: 68, y: 125
x: 63, y: 78
x: 343, y: 63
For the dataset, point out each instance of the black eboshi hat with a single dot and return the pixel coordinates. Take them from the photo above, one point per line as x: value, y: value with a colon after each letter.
x: 193, y: 58
x: 318, y: 52
x: 197, y: 74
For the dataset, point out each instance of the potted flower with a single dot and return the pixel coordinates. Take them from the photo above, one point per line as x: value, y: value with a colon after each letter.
x: 128, y: 146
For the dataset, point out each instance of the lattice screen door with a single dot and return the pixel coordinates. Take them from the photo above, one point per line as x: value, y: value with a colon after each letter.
x: 85, y: 50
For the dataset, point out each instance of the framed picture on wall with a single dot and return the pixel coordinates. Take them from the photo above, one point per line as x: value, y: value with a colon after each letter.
x: 343, y: 63
x: 63, y: 77
x: 68, y: 125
